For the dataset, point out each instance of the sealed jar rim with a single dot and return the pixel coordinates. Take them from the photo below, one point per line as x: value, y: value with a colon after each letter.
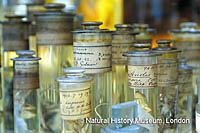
x: 74, y: 80
x: 141, y: 54
x: 93, y: 31
x: 92, y: 23
x: 184, y: 31
x: 26, y: 58
x: 74, y: 70
x: 166, y: 50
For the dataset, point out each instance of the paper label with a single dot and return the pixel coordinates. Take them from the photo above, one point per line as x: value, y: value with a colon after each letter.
x: 26, y: 75
x: 189, y: 49
x: 167, y: 73
x: 142, y: 77
x: 93, y: 58
x: 75, y: 103
x: 118, y: 50
x: 197, y: 122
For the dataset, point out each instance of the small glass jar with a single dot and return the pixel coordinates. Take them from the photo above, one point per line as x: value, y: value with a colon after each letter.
x: 185, y: 95
x: 167, y: 83
x: 26, y: 92
x: 75, y: 100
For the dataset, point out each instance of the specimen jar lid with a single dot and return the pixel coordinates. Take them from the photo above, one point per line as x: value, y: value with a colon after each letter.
x: 187, y: 27
x: 25, y: 55
x: 164, y: 47
x: 14, y: 19
x: 74, y: 75
x: 54, y: 10
x: 183, y: 67
x: 143, y: 44
x: 92, y: 27
x: 147, y: 53
x: 124, y: 29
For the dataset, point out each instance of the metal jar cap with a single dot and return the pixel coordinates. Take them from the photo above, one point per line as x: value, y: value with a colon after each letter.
x: 74, y: 70
x: 92, y: 23
x: 138, y: 25
x: 128, y: 26
x: 25, y: 55
x: 54, y: 6
x: 25, y: 52
x: 188, y: 24
x: 143, y: 44
x: 164, y: 46
x: 148, y: 53
x: 74, y: 75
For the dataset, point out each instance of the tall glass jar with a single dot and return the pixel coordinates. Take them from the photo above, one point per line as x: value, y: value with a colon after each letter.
x: 26, y: 92
x: 54, y: 46
x: 167, y: 83
x: 185, y: 95
x: 142, y: 79
x: 92, y: 51
x: 14, y: 37
x: 145, y: 33
x: 187, y: 39
x: 75, y: 100
x: 122, y: 41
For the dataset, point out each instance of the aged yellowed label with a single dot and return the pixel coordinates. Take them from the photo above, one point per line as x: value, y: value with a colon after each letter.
x: 142, y: 76
x: 167, y: 73
x: 26, y: 75
x: 75, y: 103
x: 26, y: 67
x: 95, y: 58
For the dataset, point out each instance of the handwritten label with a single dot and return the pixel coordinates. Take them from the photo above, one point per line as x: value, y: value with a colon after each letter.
x: 26, y: 75
x: 142, y: 77
x: 167, y: 73
x: 75, y: 103
x: 93, y: 58
x: 197, y: 122
x: 26, y: 66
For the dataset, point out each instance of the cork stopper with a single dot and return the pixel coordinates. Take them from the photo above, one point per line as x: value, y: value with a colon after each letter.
x: 123, y: 27
x: 164, y: 43
x: 91, y: 25
x: 54, y: 6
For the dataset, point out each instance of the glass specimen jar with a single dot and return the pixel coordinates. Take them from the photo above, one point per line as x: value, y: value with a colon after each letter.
x: 92, y: 51
x: 26, y: 92
x: 145, y: 33
x: 122, y: 41
x: 187, y: 39
x: 167, y: 83
x: 54, y: 46
x: 14, y: 37
x: 75, y: 100
x: 198, y: 108
x: 185, y: 95
x: 142, y: 79
x: 128, y: 110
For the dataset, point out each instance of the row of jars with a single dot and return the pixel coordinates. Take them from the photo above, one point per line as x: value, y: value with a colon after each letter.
x: 32, y: 100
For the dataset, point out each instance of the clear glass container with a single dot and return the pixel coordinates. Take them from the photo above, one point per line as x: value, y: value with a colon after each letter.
x: 26, y: 92
x: 122, y: 41
x: 54, y: 46
x: 92, y: 51
x: 142, y: 79
x: 145, y: 33
x: 198, y: 108
x: 75, y: 100
x: 187, y: 39
x: 185, y: 95
x: 128, y: 110
x: 167, y: 83
x: 14, y: 37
